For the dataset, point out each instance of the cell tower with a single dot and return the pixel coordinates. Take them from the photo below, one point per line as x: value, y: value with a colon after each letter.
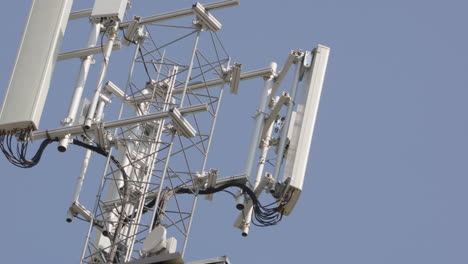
x: 157, y: 148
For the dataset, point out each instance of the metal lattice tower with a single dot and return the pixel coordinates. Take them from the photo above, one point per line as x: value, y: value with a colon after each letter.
x: 156, y: 156
x: 157, y: 147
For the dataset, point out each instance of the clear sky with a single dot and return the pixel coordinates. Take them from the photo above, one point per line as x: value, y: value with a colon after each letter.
x: 388, y: 171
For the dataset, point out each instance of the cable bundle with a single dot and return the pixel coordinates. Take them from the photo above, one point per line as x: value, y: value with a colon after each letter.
x: 101, y: 151
x: 16, y: 155
x: 263, y: 215
x: 267, y: 215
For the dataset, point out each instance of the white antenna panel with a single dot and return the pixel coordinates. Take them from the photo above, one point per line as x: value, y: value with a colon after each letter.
x: 27, y: 91
x: 109, y: 10
x: 303, y: 127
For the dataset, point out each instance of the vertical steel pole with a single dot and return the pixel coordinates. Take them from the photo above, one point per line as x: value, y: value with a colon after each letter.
x: 284, y: 131
x: 195, y: 199
x: 265, y: 146
x: 79, y: 182
x: 85, y: 164
x: 88, y: 235
x: 153, y: 152
x: 158, y: 138
x: 189, y: 72
x: 79, y: 86
x: 102, y: 75
x: 259, y: 121
x: 163, y: 177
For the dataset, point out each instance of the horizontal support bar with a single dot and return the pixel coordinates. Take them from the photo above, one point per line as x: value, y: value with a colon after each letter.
x: 265, y: 72
x: 240, y: 178
x: 131, y: 101
x: 203, y: 85
x: 211, y: 83
x: 81, y: 53
x: 80, y: 14
x: 158, y: 18
x: 182, y: 13
x: 79, y: 129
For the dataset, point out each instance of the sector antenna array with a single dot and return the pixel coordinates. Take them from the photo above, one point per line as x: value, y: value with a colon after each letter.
x: 156, y: 149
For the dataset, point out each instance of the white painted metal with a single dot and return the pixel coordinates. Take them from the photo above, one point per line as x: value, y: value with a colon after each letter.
x: 113, y: 10
x: 266, y: 72
x: 183, y: 12
x: 189, y: 71
x: 153, y: 151
x: 29, y: 83
x: 211, y: 183
x: 79, y: 86
x: 299, y: 148
x: 84, y: 166
x: 77, y: 209
x: 241, y: 221
x: 155, y: 241
x: 284, y: 99
x: 285, y: 129
x: 284, y: 71
x: 102, y: 74
x: 265, y: 146
x: 205, y: 160
x: 235, y: 78
x: 131, y: 34
x: 78, y: 129
x: 171, y: 245
x: 259, y: 121
x: 115, y: 90
x: 80, y: 14
x: 146, y: 118
x: 126, y: 231
x: 181, y: 124
x: 115, y: 222
x: 240, y: 201
x: 81, y: 53
x: 99, y: 233
x: 111, y: 214
x: 79, y: 182
x: 208, y: 21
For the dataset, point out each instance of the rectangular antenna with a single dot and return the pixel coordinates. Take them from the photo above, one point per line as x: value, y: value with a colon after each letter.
x: 109, y: 10
x: 29, y: 84
x: 303, y: 127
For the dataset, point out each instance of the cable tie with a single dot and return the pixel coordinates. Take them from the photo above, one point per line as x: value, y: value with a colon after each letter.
x: 48, y: 135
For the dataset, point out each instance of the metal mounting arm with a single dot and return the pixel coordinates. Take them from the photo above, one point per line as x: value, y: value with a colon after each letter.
x: 292, y: 59
x: 182, y: 13
x: 78, y: 129
x: 285, y: 99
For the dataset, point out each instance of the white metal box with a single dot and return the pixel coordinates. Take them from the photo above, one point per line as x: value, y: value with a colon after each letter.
x: 109, y: 10
x: 303, y: 126
x: 30, y: 80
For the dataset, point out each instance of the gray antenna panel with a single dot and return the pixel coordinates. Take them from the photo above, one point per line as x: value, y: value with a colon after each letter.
x: 303, y: 127
x: 109, y: 9
x: 27, y: 91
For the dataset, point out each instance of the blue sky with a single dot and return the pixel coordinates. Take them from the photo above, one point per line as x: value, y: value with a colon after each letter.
x: 387, y: 175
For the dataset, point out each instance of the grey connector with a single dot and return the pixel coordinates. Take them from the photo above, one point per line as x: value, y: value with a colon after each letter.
x: 208, y: 21
x: 235, y: 78
x: 181, y: 125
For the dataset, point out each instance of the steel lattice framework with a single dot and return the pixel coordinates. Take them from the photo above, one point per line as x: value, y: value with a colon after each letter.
x: 156, y: 157
x: 158, y: 144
